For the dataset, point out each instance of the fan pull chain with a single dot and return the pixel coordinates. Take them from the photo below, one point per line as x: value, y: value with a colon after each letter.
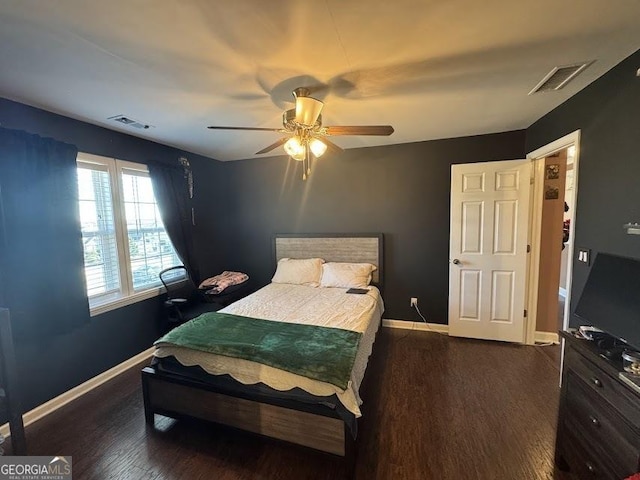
x: 306, y: 170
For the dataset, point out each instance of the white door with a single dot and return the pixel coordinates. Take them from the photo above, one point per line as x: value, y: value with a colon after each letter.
x: 488, y: 250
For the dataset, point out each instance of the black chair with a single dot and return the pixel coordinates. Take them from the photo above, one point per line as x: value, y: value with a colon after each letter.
x: 184, y: 300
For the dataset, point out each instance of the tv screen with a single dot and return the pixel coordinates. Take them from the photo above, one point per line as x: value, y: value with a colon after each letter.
x: 611, y: 298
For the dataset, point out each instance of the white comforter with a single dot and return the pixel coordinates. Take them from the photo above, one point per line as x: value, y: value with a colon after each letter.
x: 328, y: 307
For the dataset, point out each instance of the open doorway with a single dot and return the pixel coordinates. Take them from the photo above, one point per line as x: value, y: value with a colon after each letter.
x: 553, y: 200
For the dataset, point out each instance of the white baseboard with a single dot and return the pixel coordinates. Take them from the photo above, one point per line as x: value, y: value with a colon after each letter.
x: 55, y: 403
x: 540, y: 337
x: 546, y: 337
x: 427, y: 327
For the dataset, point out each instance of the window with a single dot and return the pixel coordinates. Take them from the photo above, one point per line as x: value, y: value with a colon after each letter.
x: 125, y: 243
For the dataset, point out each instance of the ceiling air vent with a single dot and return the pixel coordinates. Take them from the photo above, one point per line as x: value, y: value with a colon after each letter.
x: 130, y: 122
x: 558, y: 77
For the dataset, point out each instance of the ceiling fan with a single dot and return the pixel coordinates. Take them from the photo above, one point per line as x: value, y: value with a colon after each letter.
x: 305, y: 134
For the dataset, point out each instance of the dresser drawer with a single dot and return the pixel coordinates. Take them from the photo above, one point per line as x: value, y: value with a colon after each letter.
x: 584, y: 463
x: 609, y: 389
x: 601, y: 426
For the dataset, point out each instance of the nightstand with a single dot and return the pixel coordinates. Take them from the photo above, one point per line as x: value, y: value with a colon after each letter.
x: 229, y: 295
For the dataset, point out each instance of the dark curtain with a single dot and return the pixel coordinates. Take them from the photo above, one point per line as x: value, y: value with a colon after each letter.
x: 41, y: 255
x: 171, y: 191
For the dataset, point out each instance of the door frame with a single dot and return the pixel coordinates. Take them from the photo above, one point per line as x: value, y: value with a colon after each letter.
x: 535, y: 231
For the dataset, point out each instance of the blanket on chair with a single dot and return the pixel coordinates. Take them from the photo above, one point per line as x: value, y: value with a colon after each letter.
x: 216, y: 285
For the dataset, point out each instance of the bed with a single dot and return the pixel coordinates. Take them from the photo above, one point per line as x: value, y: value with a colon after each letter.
x: 264, y: 399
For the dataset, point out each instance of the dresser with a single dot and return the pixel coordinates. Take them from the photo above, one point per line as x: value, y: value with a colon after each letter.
x: 599, y: 418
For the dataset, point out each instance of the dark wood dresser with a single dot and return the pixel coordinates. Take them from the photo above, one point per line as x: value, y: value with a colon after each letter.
x: 599, y: 419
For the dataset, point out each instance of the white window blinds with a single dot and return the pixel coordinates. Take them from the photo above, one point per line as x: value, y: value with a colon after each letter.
x: 150, y: 249
x: 98, y: 231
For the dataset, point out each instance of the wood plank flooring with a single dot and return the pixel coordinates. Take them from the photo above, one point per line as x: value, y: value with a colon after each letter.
x: 435, y: 408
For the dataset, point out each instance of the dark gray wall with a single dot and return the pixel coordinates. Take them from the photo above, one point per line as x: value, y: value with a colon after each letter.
x: 399, y: 190
x: 53, y: 366
x: 608, y: 114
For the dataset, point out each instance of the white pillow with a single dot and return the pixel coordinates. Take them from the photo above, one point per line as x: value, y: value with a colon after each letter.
x: 305, y: 271
x: 346, y: 275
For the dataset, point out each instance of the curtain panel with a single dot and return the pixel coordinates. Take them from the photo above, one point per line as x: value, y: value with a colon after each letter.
x: 41, y: 254
x: 171, y: 191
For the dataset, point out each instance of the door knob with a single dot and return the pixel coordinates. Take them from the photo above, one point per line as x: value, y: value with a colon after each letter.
x: 456, y: 261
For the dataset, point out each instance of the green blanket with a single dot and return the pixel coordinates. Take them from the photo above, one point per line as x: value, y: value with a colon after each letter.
x: 319, y: 353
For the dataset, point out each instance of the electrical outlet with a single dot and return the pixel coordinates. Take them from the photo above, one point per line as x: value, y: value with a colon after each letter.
x: 414, y: 301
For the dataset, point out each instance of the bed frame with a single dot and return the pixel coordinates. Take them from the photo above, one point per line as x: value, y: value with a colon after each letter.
x: 316, y: 427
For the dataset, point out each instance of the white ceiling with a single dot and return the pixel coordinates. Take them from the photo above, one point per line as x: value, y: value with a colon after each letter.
x: 431, y: 68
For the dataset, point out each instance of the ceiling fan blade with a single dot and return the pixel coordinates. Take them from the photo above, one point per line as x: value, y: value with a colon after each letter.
x: 359, y: 130
x: 213, y: 127
x: 273, y: 146
x: 331, y: 146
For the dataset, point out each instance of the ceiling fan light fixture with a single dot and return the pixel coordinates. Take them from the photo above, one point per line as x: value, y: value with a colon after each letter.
x: 308, y: 110
x: 295, y: 149
x: 318, y: 147
x: 302, y: 126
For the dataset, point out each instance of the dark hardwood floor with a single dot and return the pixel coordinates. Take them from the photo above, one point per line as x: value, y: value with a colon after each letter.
x: 435, y: 408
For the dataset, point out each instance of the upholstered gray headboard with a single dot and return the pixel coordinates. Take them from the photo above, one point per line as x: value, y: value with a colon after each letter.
x: 358, y: 248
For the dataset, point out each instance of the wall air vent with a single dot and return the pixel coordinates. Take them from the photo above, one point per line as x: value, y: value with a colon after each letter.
x: 130, y: 122
x: 558, y: 77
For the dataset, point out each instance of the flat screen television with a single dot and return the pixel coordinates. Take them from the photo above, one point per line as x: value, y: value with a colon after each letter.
x: 610, y: 300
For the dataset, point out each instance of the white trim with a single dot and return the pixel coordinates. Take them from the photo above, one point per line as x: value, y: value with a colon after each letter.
x: 569, y: 139
x: 537, y: 156
x: 562, y: 292
x: 76, y: 392
x: 539, y: 337
x: 124, y: 301
x: 92, y: 159
x: 547, y: 337
x: 408, y: 325
x: 533, y: 276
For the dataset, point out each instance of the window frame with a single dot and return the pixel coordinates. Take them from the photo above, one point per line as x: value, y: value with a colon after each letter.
x: 127, y: 295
